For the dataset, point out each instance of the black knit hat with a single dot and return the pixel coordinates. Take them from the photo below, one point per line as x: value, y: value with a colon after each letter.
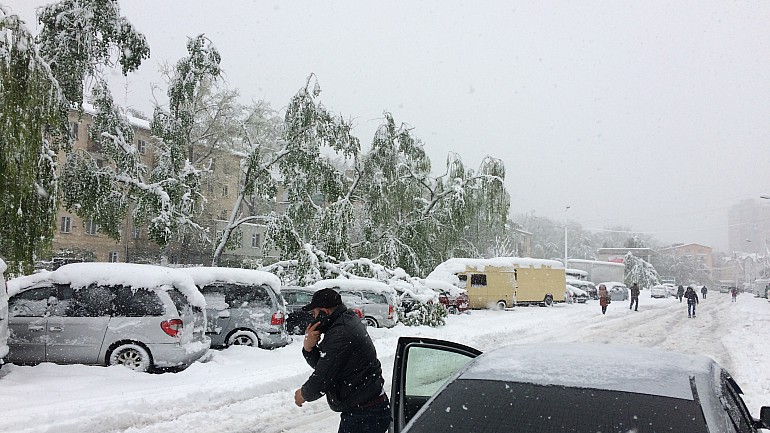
x: 324, y: 298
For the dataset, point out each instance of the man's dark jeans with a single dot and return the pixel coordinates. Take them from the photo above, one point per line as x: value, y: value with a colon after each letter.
x: 375, y: 419
x: 634, y: 300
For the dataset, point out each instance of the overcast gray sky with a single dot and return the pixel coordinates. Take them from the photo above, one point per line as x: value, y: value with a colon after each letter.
x: 654, y: 114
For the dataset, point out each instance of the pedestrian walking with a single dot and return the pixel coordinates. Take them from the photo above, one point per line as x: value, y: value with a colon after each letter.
x: 734, y: 292
x: 345, y: 366
x: 680, y: 292
x: 703, y: 291
x: 604, y: 298
x: 634, y: 297
x: 692, y: 301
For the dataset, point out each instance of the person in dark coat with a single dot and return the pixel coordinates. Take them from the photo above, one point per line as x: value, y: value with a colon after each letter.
x: 345, y: 366
x: 604, y: 298
x: 692, y: 300
x: 680, y: 292
x: 734, y: 292
x: 703, y: 291
x: 634, y: 297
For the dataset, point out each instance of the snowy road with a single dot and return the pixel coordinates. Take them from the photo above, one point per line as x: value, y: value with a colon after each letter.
x: 250, y: 390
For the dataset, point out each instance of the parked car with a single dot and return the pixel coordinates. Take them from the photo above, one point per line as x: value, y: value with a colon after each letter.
x: 243, y: 307
x: 452, y: 297
x: 659, y: 291
x: 297, y: 320
x: 139, y: 316
x: 575, y: 295
x: 671, y: 288
x: 587, y: 286
x: 375, y: 299
x: 618, y: 291
x: 3, y: 315
x: 441, y: 386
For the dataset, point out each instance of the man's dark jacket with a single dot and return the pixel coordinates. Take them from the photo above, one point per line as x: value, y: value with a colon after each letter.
x: 345, y: 362
x: 692, y: 297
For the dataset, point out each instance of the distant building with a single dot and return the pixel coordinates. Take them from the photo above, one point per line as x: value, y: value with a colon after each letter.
x: 749, y: 226
x: 617, y: 255
x: 702, y: 254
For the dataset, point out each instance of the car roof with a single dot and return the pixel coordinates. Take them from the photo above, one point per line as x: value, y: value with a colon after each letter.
x: 204, y: 276
x: 609, y: 367
x: 79, y: 275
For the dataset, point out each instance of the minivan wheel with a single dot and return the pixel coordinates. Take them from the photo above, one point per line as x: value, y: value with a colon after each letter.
x: 453, y: 310
x: 501, y: 305
x: 132, y: 356
x: 370, y: 321
x: 243, y: 338
x: 548, y: 300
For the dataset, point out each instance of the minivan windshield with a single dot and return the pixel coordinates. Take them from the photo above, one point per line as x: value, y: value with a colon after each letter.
x: 499, y: 406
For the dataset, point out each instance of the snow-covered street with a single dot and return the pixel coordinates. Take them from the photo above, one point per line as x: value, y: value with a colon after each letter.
x: 250, y: 390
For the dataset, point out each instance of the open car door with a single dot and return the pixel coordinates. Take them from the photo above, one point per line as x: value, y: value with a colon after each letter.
x: 421, y: 368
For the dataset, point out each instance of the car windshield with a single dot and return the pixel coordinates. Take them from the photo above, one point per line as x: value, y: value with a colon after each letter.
x: 499, y: 406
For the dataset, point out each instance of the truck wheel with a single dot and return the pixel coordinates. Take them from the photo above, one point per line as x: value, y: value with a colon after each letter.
x: 453, y: 310
x: 548, y: 301
x: 501, y: 305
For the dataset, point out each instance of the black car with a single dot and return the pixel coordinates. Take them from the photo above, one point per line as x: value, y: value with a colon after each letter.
x: 295, y: 298
x: 440, y: 386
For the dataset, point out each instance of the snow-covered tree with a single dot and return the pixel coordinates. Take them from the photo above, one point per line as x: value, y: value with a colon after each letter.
x: 683, y: 269
x: 319, y: 192
x: 78, y: 37
x: 33, y: 128
x: 415, y: 220
x: 639, y: 271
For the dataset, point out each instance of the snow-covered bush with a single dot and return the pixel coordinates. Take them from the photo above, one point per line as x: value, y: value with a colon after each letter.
x: 423, y: 314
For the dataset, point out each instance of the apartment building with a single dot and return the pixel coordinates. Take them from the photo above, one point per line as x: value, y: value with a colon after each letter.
x: 702, y: 254
x: 80, y: 239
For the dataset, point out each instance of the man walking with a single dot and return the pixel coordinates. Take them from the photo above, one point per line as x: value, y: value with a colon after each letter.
x: 345, y: 366
x: 680, y: 293
x: 703, y: 291
x: 692, y: 300
x: 634, y: 297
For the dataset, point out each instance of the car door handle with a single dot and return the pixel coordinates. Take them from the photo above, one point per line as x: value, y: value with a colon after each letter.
x: 36, y: 328
x: 55, y: 329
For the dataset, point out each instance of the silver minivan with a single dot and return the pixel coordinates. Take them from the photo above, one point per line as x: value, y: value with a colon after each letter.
x: 3, y: 315
x: 139, y: 316
x: 376, y: 300
x: 243, y: 306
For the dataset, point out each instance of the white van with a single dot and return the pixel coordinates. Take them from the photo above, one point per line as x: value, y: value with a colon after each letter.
x: 3, y: 315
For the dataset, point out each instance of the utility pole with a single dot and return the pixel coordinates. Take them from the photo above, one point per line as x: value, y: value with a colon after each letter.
x: 565, y: 237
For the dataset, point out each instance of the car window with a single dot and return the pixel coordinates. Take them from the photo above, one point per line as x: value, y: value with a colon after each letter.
x: 222, y: 296
x: 31, y: 303
x: 377, y: 298
x: 427, y: 369
x: 180, y: 301
x: 298, y: 298
x: 130, y: 302
x: 498, y: 406
x: 91, y: 301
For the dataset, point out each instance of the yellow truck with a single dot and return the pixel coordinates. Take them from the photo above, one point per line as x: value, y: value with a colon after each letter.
x: 505, y: 281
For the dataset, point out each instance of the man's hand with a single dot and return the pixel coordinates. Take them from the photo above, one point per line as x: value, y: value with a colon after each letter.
x: 298, y: 398
x: 312, y: 337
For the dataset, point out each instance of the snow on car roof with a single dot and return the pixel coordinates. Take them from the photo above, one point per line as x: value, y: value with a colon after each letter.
x: 446, y: 271
x: 79, y: 275
x: 610, y: 367
x: 204, y: 276
x: 354, y: 284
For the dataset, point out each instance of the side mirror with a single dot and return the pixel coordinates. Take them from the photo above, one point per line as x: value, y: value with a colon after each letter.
x: 764, y: 417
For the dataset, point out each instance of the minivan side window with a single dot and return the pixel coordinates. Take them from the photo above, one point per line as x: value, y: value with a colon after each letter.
x: 180, y: 301
x: 130, y: 302
x: 91, y: 301
x: 31, y: 303
x: 238, y: 296
x: 377, y: 298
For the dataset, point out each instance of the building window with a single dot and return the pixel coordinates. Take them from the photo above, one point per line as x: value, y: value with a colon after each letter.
x: 256, y: 240
x: 225, y: 191
x: 136, y: 233
x: 91, y: 228
x: 141, y: 146
x: 66, y: 224
x: 113, y: 257
x: 478, y: 280
x: 74, y: 130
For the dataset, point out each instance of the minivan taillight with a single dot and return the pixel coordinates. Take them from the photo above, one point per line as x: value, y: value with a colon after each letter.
x: 172, y: 327
x: 390, y: 311
x: 277, y: 319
